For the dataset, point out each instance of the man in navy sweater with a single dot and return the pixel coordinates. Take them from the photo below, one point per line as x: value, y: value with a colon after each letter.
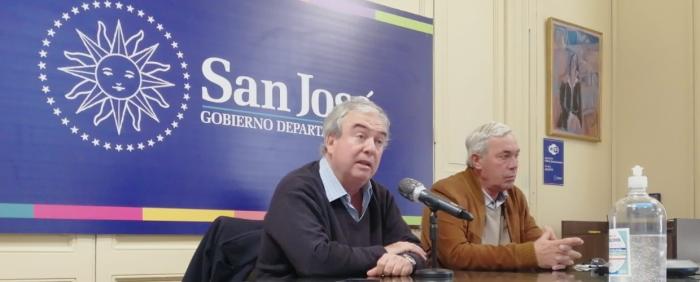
x: 329, y: 217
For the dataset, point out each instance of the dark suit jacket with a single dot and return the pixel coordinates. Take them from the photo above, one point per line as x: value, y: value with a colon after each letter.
x: 227, y: 252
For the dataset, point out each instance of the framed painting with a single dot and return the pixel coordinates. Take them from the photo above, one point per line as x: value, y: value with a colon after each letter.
x: 573, y: 80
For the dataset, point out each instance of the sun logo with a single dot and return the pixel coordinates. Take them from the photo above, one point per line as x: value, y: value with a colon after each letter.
x: 121, y: 77
x: 108, y: 82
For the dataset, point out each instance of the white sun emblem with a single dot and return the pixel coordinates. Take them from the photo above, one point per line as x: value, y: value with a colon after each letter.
x: 120, y: 77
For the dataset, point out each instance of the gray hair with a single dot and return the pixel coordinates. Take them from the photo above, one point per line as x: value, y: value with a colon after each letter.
x: 476, y: 141
x: 333, y: 122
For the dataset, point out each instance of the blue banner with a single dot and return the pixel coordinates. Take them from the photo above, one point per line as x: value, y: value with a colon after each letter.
x: 157, y: 116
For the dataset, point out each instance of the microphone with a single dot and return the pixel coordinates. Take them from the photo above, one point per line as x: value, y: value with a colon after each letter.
x: 415, y: 191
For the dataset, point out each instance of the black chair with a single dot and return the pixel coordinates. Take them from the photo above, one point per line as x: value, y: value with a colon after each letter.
x: 227, y: 252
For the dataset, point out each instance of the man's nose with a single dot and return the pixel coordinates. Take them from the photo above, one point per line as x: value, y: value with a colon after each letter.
x: 513, y: 163
x: 370, y: 146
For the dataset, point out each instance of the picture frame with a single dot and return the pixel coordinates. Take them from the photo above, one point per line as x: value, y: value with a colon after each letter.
x: 574, y: 72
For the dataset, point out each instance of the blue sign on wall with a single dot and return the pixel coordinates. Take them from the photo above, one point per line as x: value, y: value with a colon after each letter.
x: 156, y: 116
x: 553, y: 156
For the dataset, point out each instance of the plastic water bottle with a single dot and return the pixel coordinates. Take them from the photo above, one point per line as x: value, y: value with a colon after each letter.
x: 637, y: 242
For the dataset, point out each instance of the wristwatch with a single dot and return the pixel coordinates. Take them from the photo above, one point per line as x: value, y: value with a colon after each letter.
x: 409, y: 258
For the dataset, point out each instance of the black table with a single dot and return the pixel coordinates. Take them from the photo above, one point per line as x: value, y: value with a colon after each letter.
x: 569, y: 276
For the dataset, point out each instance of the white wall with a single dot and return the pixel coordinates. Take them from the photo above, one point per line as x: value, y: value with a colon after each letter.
x: 63, y: 257
x: 655, y: 59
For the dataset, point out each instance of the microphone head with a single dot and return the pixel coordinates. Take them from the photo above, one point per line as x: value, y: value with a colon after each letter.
x: 410, y: 188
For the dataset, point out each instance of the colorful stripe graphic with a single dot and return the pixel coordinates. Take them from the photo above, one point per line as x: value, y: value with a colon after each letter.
x: 412, y: 220
x: 16, y: 211
x: 348, y: 8
x: 86, y: 212
x: 403, y: 22
x: 74, y: 212
x: 165, y: 214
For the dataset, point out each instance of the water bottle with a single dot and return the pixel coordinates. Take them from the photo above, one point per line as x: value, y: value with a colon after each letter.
x: 637, y: 237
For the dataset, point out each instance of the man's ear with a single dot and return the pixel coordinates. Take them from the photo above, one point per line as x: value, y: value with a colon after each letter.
x: 476, y: 161
x: 329, y: 141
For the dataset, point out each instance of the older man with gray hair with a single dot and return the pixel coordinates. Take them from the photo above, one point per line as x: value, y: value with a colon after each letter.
x: 329, y: 217
x: 503, y: 234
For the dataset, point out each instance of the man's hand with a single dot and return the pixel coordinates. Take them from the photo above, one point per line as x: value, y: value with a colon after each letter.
x: 391, y: 265
x: 556, y: 276
x: 397, y: 279
x: 556, y: 253
x: 405, y: 247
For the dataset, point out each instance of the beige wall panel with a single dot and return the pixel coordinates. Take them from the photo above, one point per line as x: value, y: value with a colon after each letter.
x: 654, y: 115
x: 587, y: 165
x: 47, y: 257
x: 696, y: 110
x: 143, y: 257
x: 513, y: 94
x: 464, y: 81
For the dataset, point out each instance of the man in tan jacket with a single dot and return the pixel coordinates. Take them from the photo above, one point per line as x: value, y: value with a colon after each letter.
x: 503, y: 234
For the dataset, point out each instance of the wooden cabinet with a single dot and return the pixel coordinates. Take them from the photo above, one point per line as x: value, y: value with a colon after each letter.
x: 594, y: 235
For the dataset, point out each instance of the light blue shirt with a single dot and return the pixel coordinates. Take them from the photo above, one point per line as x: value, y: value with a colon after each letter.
x: 335, y: 190
x: 495, y: 203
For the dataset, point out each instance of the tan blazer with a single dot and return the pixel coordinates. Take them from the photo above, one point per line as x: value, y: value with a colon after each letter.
x: 459, y: 241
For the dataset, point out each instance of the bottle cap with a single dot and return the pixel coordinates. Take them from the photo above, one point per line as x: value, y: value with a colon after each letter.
x: 637, y: 180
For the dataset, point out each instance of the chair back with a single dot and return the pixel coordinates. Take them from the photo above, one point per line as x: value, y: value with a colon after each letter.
x: 227, y: 252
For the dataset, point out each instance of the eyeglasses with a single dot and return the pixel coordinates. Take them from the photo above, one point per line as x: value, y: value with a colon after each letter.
x: 595, y: 263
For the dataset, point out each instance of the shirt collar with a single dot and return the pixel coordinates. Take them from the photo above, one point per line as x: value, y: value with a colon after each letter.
x: 334, y: 189
x: 495, y: 203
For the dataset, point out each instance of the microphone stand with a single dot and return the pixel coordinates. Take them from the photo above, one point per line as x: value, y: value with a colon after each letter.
x: 434, y: 272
